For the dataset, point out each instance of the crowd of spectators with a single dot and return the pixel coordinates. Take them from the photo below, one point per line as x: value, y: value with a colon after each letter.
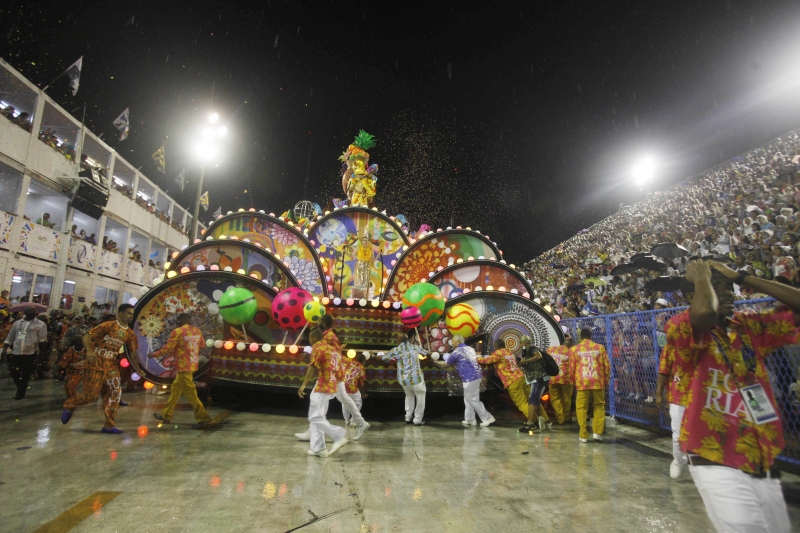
x: 20, y: 119
x: 66, y: 148
x: 745, y: 211
x: 80, y: 235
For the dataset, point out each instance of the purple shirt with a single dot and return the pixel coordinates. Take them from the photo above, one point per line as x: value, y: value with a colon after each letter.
x: 463, y: 358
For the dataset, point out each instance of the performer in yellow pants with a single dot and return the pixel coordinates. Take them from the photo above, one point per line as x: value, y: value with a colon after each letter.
x: 561, y: 400
x: 505, y: 364
x: 184, y: 385
x: 519, y: 392
x: 589, y: 371
x: 184, y: 343
x: 561, y: 386
x: 598, y: 398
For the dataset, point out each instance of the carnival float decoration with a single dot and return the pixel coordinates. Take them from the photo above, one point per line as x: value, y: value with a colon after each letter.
x: 256, y: 281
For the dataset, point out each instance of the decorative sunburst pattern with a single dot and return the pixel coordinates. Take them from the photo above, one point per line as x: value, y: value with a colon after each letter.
x: 512, y: 322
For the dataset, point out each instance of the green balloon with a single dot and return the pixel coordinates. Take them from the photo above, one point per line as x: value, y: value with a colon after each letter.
x: 238, y: 306
x: 428, y: 299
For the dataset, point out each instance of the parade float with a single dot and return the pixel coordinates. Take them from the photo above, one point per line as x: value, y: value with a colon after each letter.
x: 256, y: 281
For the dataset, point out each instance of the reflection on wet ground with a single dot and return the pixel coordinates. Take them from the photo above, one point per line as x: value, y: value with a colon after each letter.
x: 248, y: 473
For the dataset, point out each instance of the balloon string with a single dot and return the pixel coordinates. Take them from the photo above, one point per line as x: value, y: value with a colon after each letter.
x: 300, y: 335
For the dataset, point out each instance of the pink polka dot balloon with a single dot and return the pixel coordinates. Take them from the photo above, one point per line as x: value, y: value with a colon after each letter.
x: 287, y: 308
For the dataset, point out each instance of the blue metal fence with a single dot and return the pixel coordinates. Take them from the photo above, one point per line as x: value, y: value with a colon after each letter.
x: 634, y: 341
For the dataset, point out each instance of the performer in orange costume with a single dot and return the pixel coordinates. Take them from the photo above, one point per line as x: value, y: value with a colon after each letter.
x: 561, y: 386
x: 354, y: 378
x: 103, y: 344
x: 73, y: 362
x: 184, y: 343
x: 505, y: 364
x: 589, y: 370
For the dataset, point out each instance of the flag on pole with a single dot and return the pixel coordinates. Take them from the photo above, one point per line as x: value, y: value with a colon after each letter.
x: 158, y: 157
x: 204, y: 201
x: 74, y: 74
x: 217, y: 213
x: 122, y: 123
x: 180, y: 181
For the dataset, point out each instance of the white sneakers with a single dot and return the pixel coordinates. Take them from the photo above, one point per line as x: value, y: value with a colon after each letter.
x: 468, y: 423
x: 675, y: 469
x: 583, y: 440
x: 487, y: 423
x: 305, y: 436
x: 338, y: 444
x: 359, y: 431
x: 597, y: 437
x: 334, y: 448
x: 321, y: 453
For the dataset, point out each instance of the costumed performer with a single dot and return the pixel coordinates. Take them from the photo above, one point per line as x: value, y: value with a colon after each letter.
x: 505, y: 364
x: 464, y: 360
x: 184, y: 343
x: 409, y: 375
x: 101, y: 374
x: 325, y: 362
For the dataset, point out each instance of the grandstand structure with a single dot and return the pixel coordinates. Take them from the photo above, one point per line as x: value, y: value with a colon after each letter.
x: 63, y: 194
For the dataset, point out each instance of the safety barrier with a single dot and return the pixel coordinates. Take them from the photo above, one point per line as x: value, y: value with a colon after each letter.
x: 634, y: 341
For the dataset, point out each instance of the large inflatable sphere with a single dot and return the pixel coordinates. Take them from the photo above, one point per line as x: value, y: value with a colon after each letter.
x: 238, y: 306
x: 428, y: 299
x: 288, y: 308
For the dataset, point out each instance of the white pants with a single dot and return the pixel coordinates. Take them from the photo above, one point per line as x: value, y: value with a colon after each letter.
x: 356, y: 397
x: 737, y: 502
x: 676, y: 416
x: 317, y: 409
x: 348, y: 403
x: 415, y: 394
x: 473, y: 403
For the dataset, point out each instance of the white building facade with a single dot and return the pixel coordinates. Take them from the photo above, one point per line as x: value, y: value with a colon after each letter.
x: 60, y: 261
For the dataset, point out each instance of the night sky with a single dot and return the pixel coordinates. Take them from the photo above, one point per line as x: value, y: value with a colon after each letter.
x: 522, y: 121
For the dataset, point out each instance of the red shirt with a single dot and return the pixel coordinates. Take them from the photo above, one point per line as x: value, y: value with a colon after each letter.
x: 505, y: 364
x: 329, y: 365
x: 354, y: 375
x: 184, y: 344
x: 561, y: 356
x: 108, y: 339
x: 716, y: 425
x: 588, y: 366
x: 676, y: 359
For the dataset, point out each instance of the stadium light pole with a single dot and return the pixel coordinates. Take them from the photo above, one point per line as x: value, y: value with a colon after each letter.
x: 643, y: 172
x: 207, y: 148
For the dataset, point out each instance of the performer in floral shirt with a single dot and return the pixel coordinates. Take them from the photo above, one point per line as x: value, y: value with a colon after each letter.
x: 589, y: 371
x: 354, y: 378
x: 732, y: 429
x: 505, y: 364
x: 325, y: 361
x: 72, y: 362
x: 674, y: 369
x: 409, y: 374
x: 184, y: 344
x: 561, y: 385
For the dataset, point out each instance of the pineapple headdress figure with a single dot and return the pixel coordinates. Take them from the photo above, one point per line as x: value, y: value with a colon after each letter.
x: 358, y: 182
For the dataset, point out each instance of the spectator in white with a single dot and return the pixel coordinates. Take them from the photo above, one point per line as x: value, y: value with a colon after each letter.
x: 409, y: 375
x: 25, y: 340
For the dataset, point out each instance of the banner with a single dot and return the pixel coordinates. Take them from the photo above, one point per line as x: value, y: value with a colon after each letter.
x: 134, y: 271
x: 81, y: 255
x: 6, y: 225
x: 110, y: 264
x: 39, y: 241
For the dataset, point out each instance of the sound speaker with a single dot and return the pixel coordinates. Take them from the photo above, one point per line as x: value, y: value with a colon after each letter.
x: 89, y: 208
x: 91, y: 196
